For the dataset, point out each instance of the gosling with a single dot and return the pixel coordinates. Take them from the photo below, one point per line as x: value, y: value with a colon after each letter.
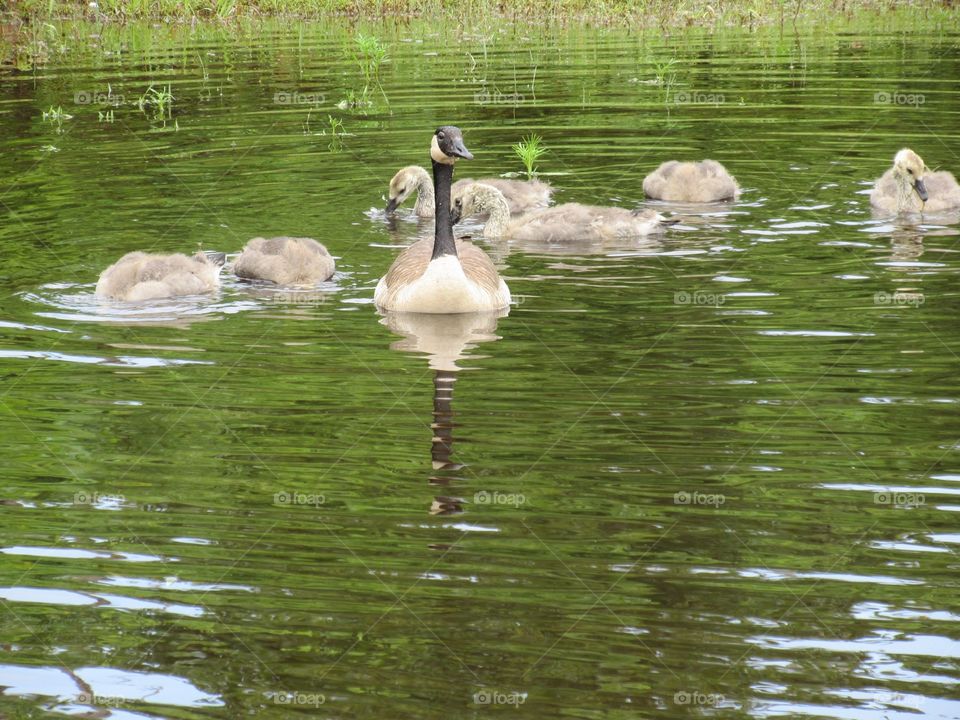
x: 570, y: 221
x: 909, y: 186
x: 522, y: 195
x: 285, y: 261
x: 140, y: 276
x: 691, y: 182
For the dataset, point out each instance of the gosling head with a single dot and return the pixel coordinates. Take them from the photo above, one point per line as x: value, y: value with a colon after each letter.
x: 481, y: 198
x: 447, y: 145
x: 211, y: 257
x: 215, y: 260
x: 402, y: 184
x: 474, y: 199
x: 910, y: 168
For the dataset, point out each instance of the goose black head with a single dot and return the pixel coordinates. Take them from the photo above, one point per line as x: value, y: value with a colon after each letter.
x: 447, y: 145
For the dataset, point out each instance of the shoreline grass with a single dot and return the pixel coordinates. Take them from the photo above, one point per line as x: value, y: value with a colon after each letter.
x: 668, y: 15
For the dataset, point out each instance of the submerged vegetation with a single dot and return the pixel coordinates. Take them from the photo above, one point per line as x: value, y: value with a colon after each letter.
x: 666, y: 14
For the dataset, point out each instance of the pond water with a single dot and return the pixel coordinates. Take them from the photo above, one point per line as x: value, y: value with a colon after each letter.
x: 714, y: 473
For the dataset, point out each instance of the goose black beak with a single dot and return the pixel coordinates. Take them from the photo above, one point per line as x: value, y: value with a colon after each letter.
x: 392, y: 205
x: 448, y: 140
x: 921, y: 189
x: 460, y: 150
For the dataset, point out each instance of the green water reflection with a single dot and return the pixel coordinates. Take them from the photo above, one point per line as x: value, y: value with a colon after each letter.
x: 712, y: 474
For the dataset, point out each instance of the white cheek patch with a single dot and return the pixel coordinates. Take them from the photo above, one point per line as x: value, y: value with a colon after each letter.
x: 438, y: 155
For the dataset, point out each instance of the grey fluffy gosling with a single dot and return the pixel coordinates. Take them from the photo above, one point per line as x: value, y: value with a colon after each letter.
x: 443, y: 275
x: 910, y: 187
x: 691, y: 182
x: 285, y: 261
x: 570, y: 221
x: 521, y: 195
x: 139, y: 276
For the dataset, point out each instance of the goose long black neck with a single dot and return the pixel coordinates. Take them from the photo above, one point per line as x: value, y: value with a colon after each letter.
x: 443, y: 243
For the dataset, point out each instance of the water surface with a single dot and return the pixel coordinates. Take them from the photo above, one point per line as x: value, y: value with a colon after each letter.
x: 713, y: 473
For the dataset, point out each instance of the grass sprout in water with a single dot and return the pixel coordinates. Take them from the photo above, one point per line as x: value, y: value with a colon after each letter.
x: 158, y: 101
x: 368, y: 54
x: 56, y: 116
x: 334, y: 129
x: 352, y: 99
x: 336, y: 133
x: 336, y: 125
x: 530, y: 150
x: 662, y: 74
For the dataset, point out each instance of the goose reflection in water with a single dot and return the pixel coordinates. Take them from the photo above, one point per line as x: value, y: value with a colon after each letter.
x: 444, y: 340
x: 908, y: 231
x: 904, y: 264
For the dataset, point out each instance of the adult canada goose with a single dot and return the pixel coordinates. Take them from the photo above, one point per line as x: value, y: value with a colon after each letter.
x: 910, y: 187
x: 521, y: 195
x: 691, y: 182
x: 141, y: 276
x: 284, y: 261
x: 570, y: 221
x: 442, y: 275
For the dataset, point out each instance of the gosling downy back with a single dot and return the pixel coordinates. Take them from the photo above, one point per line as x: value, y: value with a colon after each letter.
x: 285, y: 261
x: 442, y: 275
x: 521, y: 195
x: 691, y: 182
x: 139, y: 276
x: 567, y: 222
x: 909, y: 186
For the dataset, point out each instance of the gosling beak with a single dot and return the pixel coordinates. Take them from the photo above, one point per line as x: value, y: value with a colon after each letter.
x: 921, y: 189
x: 392, y: 205
x: 460, y: 150
x: 454, y: 215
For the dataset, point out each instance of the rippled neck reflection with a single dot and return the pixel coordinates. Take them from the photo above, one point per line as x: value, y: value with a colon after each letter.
x: 445, y: 468
x: 442, y: 446
x: 444, y: 340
